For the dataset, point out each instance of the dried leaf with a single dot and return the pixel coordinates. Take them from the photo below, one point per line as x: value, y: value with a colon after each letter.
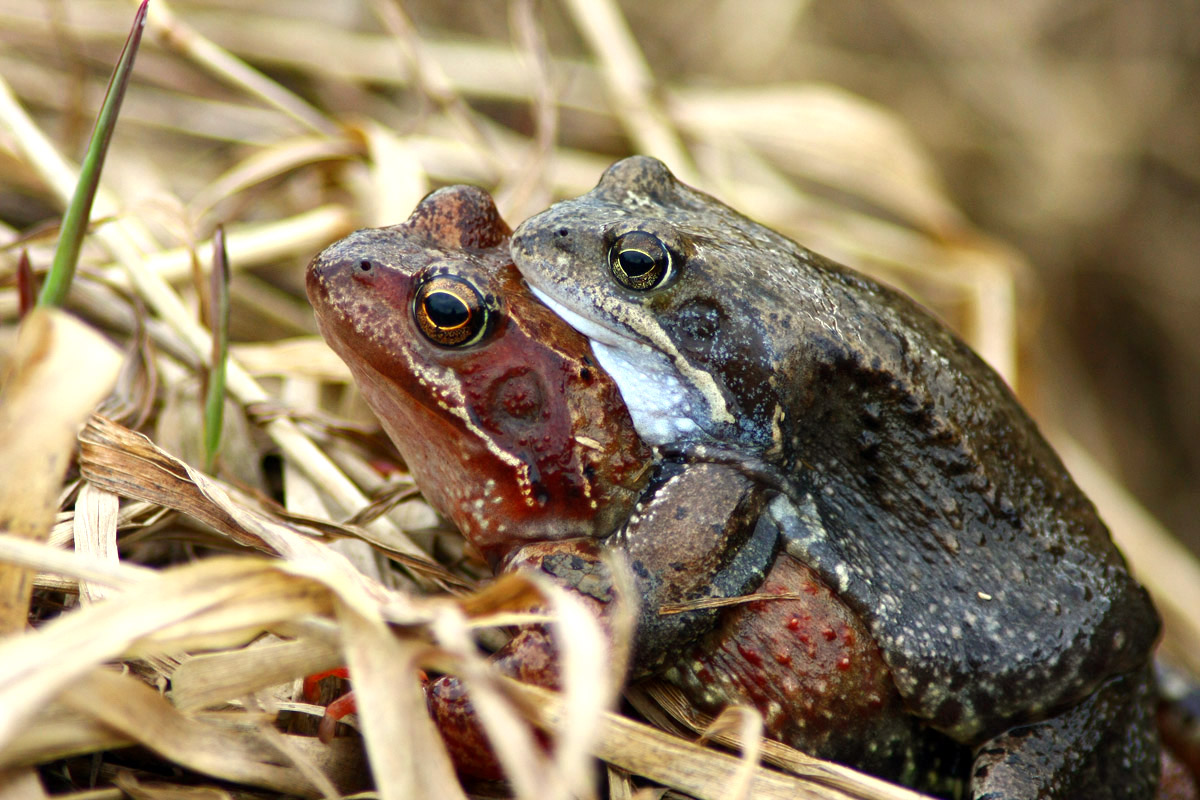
x: 650, y: 695
x: 128, y: 783
x: 204, y: 680
x: 743, y: 725
x: 307, y: 356
x: 211, y: 602
x: 697, y: 771
x: 21, y: 784
x: 127, y: 463
x: 407, y: 756
x: 221, y: 750
x: 827, y: 134
x: 96, y: 514
x: 60, y: 371
x: 61, y: 732
x: 398, y: 180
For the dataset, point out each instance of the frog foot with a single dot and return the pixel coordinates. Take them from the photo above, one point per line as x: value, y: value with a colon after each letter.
x: 1106, y: 747
x: 335, y: 711
x: 448, y: 704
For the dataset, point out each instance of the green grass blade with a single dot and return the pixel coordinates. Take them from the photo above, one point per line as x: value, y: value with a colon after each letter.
x: 74, y: 226
x: 218, y: 323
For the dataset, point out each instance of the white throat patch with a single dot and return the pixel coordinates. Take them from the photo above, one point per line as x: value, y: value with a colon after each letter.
x: 662, y: 409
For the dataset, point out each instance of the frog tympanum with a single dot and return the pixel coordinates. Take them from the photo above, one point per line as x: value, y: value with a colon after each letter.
x: 903, y: 473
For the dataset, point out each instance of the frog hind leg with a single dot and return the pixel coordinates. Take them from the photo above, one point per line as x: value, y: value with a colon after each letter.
x: 1106, y: 747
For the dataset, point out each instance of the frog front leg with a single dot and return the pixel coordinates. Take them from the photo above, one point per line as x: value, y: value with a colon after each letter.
x: 531, y: 656
x: 697, y: 533
x: 704, y: 535
x: 1104, y: 747
x: 796, y: 653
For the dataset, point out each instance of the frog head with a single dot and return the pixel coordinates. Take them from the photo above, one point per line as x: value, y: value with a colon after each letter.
x: 496, y: 405
x: 677, y: 293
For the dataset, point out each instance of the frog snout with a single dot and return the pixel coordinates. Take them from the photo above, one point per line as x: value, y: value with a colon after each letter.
x: 329, y: 269
x: 531, y: 240
x: 314, y: 275
x: 316, y: 279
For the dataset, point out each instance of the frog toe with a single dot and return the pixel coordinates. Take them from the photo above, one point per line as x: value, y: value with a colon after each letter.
x: 1106, y: 747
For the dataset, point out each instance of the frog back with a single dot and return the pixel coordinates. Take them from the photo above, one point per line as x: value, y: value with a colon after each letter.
x: 929, y: 499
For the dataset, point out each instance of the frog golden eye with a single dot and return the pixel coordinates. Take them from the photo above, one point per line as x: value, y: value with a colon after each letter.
x: 450, y: 312
x: 639, y: 261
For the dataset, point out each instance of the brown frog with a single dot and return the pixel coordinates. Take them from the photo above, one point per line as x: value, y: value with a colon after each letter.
x: 509, y: 428
x: 477, y: 400
x: 497, y: 405
x: 906, y: 474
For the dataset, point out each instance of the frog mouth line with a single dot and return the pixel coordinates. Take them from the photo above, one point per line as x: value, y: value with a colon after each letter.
x: 593, y: 330
x: 635, y: 364
x: 662, y: 408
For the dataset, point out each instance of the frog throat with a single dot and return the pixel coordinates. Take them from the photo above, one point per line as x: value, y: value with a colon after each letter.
x: 661, y: 402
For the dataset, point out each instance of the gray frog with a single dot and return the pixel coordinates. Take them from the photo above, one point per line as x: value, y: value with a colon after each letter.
x: 905, y: 473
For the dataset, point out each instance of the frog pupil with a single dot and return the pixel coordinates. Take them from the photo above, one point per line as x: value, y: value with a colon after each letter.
x: 450, y: 312
x: 640, y: 261
x: 446, y: 310
x: 636, y: 263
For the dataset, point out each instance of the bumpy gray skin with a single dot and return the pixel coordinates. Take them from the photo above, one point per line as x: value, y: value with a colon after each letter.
x: 909, y: 476
x: 683, y: 551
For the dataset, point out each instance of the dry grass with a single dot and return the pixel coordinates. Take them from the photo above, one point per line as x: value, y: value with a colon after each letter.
x: 292, y: 124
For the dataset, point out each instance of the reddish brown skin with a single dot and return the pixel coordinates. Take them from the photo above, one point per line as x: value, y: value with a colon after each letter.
x: 528, y: 389
x: 530, y: 656
x: 517, y: 438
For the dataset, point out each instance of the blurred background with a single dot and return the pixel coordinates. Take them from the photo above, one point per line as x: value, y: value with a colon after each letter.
x: 1029, y: 169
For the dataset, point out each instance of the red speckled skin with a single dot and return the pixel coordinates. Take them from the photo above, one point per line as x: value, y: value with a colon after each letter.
x: 516, y: 438
x: 808, y: 665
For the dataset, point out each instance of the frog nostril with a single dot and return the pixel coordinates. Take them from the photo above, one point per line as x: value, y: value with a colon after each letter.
x: 364, y: 265
x: 564, y: 232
